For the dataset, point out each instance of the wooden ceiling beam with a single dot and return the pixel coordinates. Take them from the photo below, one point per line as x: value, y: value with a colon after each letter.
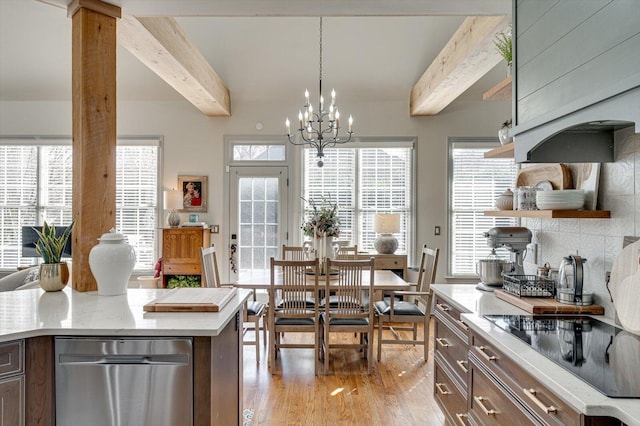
x: 161, y: 45
x: 467, y: 56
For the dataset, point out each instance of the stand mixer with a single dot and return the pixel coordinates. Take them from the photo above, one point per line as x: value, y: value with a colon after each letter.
x: 514, y: 239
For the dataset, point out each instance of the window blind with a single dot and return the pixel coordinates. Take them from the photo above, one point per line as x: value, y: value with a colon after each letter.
x: 36, y: 185
x: 375, y: 178
x: 475, y: 183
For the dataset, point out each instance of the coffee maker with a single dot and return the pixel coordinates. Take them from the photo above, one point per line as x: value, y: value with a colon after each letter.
x: 514, y: 239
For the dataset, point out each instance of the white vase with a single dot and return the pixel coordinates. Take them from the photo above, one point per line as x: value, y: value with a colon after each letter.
x: 325, y: 249
x: 111, y: 262
x: 503, y: 135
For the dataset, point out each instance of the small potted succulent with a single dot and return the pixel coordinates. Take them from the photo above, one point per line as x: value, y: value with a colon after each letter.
x: 503, y: 133
x: 54, y: 274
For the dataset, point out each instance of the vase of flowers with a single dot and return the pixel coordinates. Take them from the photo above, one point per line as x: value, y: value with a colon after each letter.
x: 54, y: 274
x: 504, y: 44
x: 322, y: 225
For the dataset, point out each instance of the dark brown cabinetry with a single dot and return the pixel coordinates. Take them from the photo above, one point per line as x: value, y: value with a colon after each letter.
x: 181, y: 251
x: 12, y: 383
x: 450, y: 362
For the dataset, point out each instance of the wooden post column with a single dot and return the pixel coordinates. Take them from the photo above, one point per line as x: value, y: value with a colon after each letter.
x: 94, y: 130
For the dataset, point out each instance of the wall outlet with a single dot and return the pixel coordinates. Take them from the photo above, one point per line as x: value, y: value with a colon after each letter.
x: 436, y: 230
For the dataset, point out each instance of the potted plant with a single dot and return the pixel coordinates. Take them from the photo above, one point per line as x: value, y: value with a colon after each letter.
x: 504, y: 45
x: 322, y: 225
x: 503, y: 133
x: 54, y: 274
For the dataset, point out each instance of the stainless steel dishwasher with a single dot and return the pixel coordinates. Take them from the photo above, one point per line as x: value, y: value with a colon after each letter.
x: 123, y: 382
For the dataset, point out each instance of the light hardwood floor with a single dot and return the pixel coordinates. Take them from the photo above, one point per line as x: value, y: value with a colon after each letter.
x: 400, y: 392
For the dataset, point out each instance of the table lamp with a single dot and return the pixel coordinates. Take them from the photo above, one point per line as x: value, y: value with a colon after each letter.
x: 385, y: 225
x: 172, y: 202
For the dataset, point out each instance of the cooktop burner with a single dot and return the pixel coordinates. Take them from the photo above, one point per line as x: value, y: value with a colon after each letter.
x: 602, y: 355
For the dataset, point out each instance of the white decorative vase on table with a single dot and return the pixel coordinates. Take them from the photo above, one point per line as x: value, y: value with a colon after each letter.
x: 325, y: 248
x: 112, y: 261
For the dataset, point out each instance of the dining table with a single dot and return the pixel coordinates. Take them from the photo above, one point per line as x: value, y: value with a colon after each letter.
x: 383, y: 280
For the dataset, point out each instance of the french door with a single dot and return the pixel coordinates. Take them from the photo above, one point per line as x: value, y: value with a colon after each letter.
x: 257, y: 218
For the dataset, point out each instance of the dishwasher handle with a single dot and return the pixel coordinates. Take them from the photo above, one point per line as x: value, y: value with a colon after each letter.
x: 88, y: 359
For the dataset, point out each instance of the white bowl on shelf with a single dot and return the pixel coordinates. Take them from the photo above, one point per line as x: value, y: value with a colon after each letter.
x: 560, y: 205
x: 148, y: 281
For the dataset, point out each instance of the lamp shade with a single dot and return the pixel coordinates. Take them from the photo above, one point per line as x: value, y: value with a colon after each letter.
x: 172, y: 199
x: 386, y: 223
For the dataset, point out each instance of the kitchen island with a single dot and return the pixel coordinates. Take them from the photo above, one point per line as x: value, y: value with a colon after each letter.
x: 506, y: 370
x: 31, y: 319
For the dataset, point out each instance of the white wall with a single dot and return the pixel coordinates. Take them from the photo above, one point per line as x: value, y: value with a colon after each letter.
x: 193, y: 143
x: 598, y: 240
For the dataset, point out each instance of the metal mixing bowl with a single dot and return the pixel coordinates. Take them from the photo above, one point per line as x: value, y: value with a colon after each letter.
x: 490, y: 270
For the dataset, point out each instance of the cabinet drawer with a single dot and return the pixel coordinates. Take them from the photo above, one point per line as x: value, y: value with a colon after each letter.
x: 490, y: 405
x: 183, y: 269
x: 11, y: 356
x: 449, y: 397
x: 388, y: 263
x: 453, y: 349
x: 538, y: 399
x: 451, y: 313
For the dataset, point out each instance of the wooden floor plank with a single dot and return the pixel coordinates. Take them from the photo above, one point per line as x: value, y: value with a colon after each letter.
x: 399, y: 392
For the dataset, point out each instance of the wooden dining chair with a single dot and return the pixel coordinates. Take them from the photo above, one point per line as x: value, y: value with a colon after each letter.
x: 293, y: 253
x: 289, y: 309
x: 347, y: 253
x: 409, y: 314
x: 254, y: 310
x: 346, y: 308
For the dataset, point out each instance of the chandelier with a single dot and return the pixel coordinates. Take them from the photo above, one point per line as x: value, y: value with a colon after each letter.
x: 319, y: 128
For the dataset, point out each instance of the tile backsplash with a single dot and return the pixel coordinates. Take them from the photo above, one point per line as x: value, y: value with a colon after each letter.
x: 597, y: 240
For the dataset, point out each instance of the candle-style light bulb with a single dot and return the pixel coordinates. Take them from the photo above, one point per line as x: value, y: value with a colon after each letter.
x: 321, y: 103
x: 350, y: 122
x: 333, y: 96
x: 288, y: 124
x: 310, y: 110
x: 306, y: 96
x: 331, y: 112
x: 300, y: 118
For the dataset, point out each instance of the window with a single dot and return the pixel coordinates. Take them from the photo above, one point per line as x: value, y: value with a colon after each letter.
x: 36, y: 185
x: 365, y: 178
x: 474, y: 184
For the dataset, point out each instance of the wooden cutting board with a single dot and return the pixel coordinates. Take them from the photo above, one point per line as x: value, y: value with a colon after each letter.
x: 624, y: 285
x: 558, y: 174
x: 191, y: 300
x: 547, y: 305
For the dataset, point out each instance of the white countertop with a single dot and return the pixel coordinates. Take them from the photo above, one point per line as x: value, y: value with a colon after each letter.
x: 29, y: 313
x: 575, y: 392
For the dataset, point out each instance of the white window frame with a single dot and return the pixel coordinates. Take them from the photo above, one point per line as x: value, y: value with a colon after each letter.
x: 475, y: 143
x: 377, y: 143
x: 121, y: 141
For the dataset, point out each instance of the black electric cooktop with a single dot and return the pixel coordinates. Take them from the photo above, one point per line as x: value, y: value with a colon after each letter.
x: 602, y: 355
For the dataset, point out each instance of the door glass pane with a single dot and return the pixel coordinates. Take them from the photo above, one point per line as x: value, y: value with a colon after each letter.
x: 259, y: 228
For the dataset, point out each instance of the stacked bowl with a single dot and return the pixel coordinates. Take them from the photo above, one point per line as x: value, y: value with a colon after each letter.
x: 566, y: 199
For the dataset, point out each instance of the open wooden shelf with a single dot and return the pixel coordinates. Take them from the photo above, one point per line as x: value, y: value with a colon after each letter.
x: 504, y: 151
x: 499, y: 92
x: 552, y: 214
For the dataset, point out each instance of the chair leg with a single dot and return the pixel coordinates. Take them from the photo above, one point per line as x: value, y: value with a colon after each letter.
x: 256, y: 331
x: 426, y: 338
x: 379, y: 338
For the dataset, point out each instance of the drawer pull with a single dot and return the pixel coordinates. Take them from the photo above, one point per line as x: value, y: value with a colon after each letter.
x: 531, y: 393
x: 462, y: 324
x: 479, y: 400
x: 462, y: 363
x: 460, y: 416
x: 441, y: 389
x: 442, y: 342
x: 484, y: 354
x: 443, y: 307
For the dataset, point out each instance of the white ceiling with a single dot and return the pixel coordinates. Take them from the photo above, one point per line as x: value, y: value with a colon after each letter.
x: 369, y: 58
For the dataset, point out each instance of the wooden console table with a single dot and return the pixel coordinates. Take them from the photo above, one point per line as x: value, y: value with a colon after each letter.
x: 392, y: 262
x: 181, y: 251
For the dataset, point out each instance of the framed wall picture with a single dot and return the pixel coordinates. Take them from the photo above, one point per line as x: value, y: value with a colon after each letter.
x: 194, y: 193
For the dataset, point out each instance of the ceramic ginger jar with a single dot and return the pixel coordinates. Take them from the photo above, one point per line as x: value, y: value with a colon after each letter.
x: 111, y: 262
x: 505, y: 200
